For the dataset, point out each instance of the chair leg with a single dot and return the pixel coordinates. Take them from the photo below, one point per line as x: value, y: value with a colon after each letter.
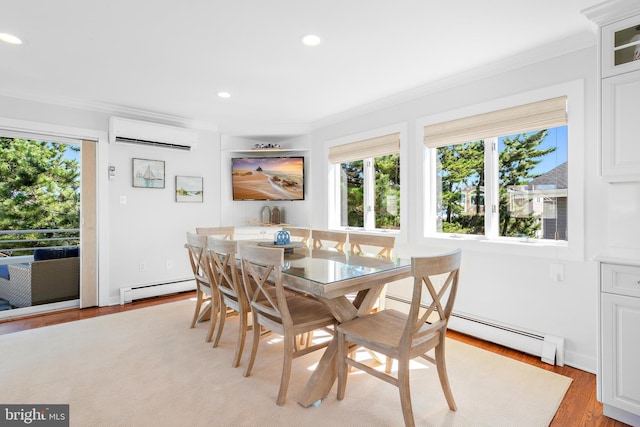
x: 198, y: 307
x: 388, y: 364
x: 214, y: 309
x: 342, y: 366
x: 442, y: 374
x: 254, y: 346
x: 242, y: 333
x: 289, y: 343
x: 405, y: 391
x: 222, y: 309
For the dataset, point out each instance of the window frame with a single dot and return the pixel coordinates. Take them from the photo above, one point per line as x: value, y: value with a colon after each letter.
x: 573, y: 248
x: 333, y: 187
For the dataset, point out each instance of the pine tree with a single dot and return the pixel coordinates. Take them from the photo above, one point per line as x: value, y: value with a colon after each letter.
x: 462, y: 168
x: 39, y: 187
x: 518, y: 159
x: 387, y: 182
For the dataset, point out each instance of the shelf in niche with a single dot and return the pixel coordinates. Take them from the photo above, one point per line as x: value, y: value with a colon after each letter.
x: 269, y: 150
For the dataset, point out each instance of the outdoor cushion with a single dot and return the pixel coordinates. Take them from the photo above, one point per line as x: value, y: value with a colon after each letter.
x: 4, y: 271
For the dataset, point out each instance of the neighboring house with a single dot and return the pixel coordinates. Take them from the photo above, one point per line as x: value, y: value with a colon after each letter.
x: 546, y: 198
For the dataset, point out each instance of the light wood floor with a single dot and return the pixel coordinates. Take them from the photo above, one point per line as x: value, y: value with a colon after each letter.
x: 578, y: 408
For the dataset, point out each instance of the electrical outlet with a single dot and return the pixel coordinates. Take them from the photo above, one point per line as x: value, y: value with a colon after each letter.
x: 142, y: 266
x: 557, y: 272
x: 169, y: 264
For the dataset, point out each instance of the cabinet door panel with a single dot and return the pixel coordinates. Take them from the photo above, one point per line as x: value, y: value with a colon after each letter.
x: 619, y: 47
x: 621, y: 127
x: 621, y: 352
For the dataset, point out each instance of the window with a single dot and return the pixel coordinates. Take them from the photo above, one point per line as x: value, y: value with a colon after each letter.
x: 368, y: 183
x: 502, y: 174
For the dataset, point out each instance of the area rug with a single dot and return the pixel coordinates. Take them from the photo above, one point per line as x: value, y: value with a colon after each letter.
x: 146, y: 367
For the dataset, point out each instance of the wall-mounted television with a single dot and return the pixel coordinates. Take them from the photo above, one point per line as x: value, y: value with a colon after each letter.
x: 267, y: 178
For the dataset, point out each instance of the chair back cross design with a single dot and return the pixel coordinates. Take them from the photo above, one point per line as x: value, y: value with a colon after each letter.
x: 284, y: 312
x: 406, y: 336
x: 206, y: 292
x: 225, y: 274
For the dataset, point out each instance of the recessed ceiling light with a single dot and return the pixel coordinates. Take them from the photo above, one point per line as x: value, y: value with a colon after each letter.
x: 224, y: 94
x: 311, y: 40
x: 9, y: 38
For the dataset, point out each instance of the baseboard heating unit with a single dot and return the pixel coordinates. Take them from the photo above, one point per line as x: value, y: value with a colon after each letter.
x: 154, y: 290
x: 549, y: 348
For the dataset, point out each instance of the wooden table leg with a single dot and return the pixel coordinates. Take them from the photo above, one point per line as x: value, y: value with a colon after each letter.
x: 326, y: 372
x: 323, y: 377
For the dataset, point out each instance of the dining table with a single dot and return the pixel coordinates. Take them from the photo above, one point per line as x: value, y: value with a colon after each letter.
x: 349, y: 285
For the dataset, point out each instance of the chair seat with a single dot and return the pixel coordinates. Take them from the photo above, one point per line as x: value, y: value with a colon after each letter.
x: 382, y: 331
x: 306, y: 313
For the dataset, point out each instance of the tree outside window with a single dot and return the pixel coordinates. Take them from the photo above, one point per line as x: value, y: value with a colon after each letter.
x: 530, y: 190
x: 370, y: 193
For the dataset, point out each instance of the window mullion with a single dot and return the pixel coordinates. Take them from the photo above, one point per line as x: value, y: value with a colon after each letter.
x: 369, y: 197
x: 492, y: 195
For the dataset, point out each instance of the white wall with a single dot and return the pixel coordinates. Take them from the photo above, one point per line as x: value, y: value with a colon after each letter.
x: 150, y: 228
x: 498, y: 284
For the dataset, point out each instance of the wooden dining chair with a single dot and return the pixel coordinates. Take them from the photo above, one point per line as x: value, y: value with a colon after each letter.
x: 219, y: 232
x: 286, y: 313
x: 323, y: 239
x: 299, y: 234
x: 407, y: 336
x: 380, y: 245
x: 206, y: 293
x: 226, y: 276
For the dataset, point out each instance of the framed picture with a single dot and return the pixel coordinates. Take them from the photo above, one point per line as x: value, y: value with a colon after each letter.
x: 148, y: 173
x: 189, y: 189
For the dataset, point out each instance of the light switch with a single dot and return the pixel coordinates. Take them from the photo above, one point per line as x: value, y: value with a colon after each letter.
x: 123, y: 200
x: 557, y: 272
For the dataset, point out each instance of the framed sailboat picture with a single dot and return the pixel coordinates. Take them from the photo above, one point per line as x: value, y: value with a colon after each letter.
x: 148, y: 173
x: 189, y: 189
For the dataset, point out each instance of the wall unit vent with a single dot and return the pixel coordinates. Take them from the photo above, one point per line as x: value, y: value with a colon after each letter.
x: 128, y: 131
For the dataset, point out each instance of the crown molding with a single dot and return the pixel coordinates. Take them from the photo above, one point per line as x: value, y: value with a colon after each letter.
x: 559, y: 48
x: 114, y: 110
x: 612, y: 10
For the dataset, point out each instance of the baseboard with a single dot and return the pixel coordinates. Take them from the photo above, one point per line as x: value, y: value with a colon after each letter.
x: 549, y: 348
x: 154, y: 290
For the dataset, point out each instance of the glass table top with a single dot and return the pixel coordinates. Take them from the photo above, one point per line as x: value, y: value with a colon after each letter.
x: 326, y: 266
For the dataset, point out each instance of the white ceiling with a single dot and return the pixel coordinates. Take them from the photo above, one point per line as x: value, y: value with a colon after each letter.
x: 169, y: 58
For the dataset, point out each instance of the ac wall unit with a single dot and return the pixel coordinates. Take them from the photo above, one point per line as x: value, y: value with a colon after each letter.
x: 138, y: 132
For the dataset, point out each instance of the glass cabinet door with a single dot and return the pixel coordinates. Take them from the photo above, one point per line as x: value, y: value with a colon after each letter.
x: 621, y: 47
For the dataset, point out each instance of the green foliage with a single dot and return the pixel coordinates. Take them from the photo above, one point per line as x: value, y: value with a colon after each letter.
x: 462, y: 166
x: 517, y: 161
x: 462, y: 172
x: 39, y: 187
x: 354, y: 192
x: 387, y: 187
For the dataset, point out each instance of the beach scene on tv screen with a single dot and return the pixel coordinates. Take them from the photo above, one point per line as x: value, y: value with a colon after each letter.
x: 275, y: 178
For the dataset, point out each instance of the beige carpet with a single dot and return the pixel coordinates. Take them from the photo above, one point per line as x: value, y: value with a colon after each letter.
x: 146, y: 367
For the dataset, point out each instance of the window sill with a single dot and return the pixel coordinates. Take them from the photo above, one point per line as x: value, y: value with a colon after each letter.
x: 508, y: 246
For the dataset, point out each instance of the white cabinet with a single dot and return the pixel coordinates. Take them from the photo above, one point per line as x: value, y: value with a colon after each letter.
x: 620, y: 71
x: 619, y: 44
x: 620, y: 47
x: 621, y: 127
x: 619, y: 373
